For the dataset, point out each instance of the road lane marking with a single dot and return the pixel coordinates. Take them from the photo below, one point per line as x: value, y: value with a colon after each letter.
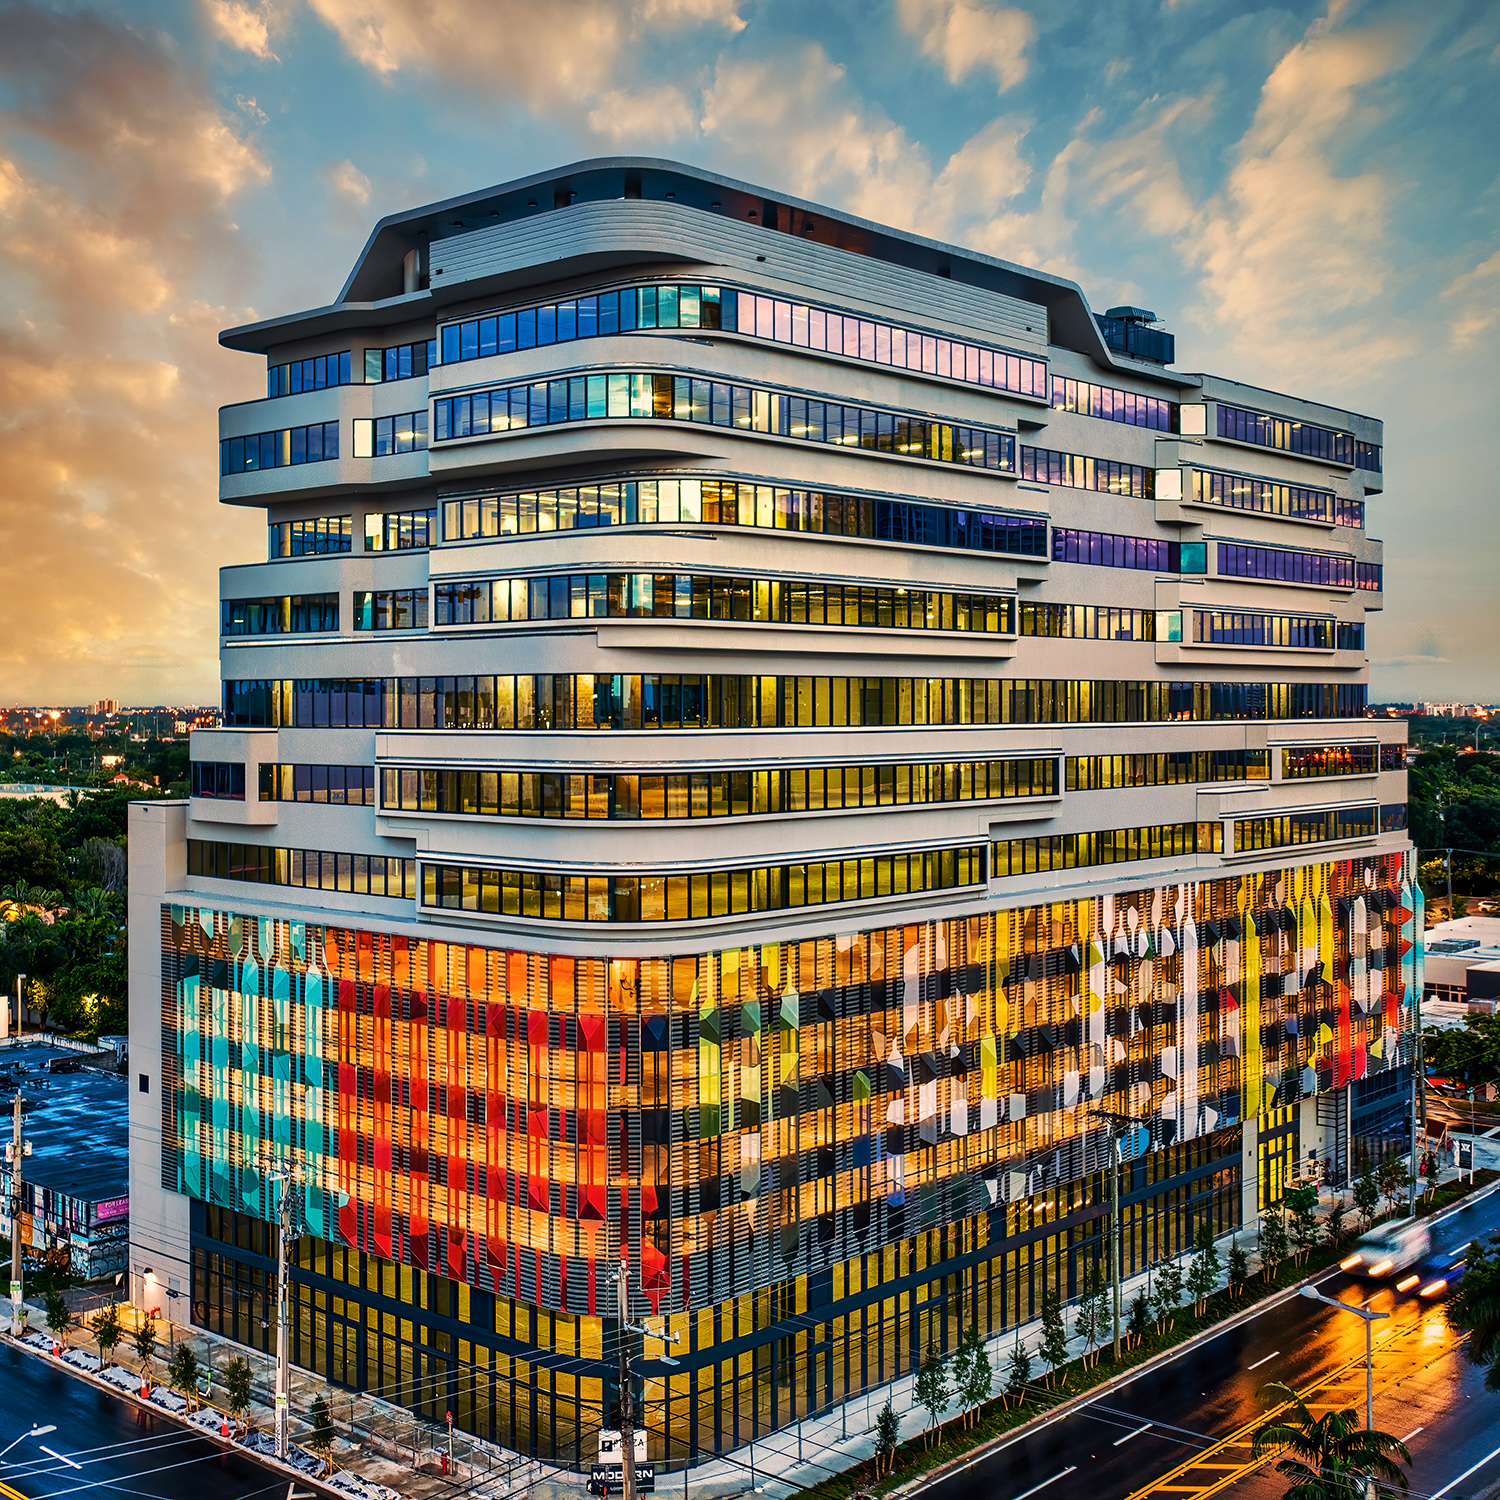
x: 1267, y: 1360
x: 1063, y: 1473
x: 1415, y: 1430
x: 62, y: 1458
x: 1439, y: 1496
x: 1129, y: 1435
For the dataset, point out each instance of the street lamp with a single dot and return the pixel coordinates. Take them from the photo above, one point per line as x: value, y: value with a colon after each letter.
x: 1370, y: 1318
x: 35, y: 1432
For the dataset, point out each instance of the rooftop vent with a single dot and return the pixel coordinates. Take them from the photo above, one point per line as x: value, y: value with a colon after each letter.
x: 1128, y: 330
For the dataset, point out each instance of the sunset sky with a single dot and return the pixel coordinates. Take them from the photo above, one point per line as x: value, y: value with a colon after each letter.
x: 1308, y: 195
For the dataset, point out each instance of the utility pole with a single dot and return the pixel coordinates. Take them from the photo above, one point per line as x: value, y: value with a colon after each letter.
x: 1114, y: 1239
x: 627, y: 1403
x: 15, y: 1152
x: 287, y: 1175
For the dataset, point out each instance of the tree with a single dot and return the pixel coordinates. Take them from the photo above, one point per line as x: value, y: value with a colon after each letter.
x: 58, y: 1316
x: 931, y: 1387
x: 107, y: 1331
x: 972, y: 1374
x: 237, y: 1388
x: 1327, y: 1457
x: 1273, y: 1243
x: 1394, y: 1179
x: 1304, y: 1226
x: 322, y: 1434
x: 1167, y: 1297
x: 1138, y: 1321
x: 1239, y: 1269
x: 1475, y: 1305
x: 887, y: 1431
x: 1336, y: 1226
x: 182, y: 1373
x: 1432, y: 1169
x: 1203, y: 1272
x: 145, y: 1342
x: 1093, y: 1312
x: 1054, y: 1347
x: 1367, y: 1197
x: 1018, y: 1373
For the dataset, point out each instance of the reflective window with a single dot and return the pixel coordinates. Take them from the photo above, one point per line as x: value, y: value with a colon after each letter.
x: 402, y: 362
x: 1219, y: 627
x: 1097, y: 773
x: 1306, y: 438
x: 390, y: 609
x: 1113, y: 404
x: 313, y: 537
x: 1331, y: 569
x: 294, y: 614
x: 352, y: 786
x: 1393, y: 757
x: 1114, y: 846
x: 1088, y: 622
x: 1303, y: 828
x: 223, y: 781
x: 308, y: 374
x: 681, y: 398
x: 752, y: 315
x: 400, y: 530
x: 569, y: 897
x: 1102, y: 549
x: 1393, y: 817
x: 1080, y: 473
x: 727, y: 502
x: 1303, y: 762
x: 706, y: 596
x: 278, y: 450
x: 380, y: 437
x: 1295, y: 501
x: 314, y: 869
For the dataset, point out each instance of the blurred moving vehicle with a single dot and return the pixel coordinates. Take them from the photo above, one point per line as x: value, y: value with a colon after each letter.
x: 1388, y: 1249
x: 1437, y: 1274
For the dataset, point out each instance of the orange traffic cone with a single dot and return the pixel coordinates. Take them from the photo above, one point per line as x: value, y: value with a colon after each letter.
x: 145, y: 1389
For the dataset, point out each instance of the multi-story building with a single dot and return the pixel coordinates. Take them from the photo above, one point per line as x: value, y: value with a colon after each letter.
x: 761, y: 743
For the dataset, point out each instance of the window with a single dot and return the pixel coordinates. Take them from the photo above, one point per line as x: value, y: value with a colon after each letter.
x: 1101, y: 549
x: 681, y: 398
x: 294, y: 614
x: 1349, y: 637
x: 315, y: 537
x: 705, y: 596
x: 569, y: 897
x: 400, y: 530
x: 1369, y: 576
x: 1114, y: 405
x: 500, y: 792
x: 1305, y: 438
x: 1303, y: 828
x: 661, y: 701
x: 224, y: 781
x: 341, y: 786
x: 1325, y: 569
x: 277, y: 450
x: 638, y: 309
x: 1295, y: 502
x: 727, y: 502
x: 1393, y: 757
x: 1088, y: 622
x: 1076, y: 851
x: 308, y: 375
x: 403, y: 362
x: 1393, y: 817
x: 1077, y: 472
x: 1303, y: 762
x: 390, y: 609
x: 143, y: 1085
x: 1095, y: 773
x: 380, y: 437
x: 1219, y: 627
x: 313, y: 869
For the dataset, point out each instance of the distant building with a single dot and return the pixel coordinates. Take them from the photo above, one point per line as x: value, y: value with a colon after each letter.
x: 1463, y: 965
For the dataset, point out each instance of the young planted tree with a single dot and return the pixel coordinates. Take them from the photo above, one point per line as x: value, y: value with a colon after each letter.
x: 1054, y: 1346
x: 1394, y: 1180
x: 931, y: 1388
x: 1095, y: 1314
x: 1273, y: 1244
x: 887, y: 1432
x: 322, y: 1435
x: 237, y: 1388
x: 972, y: 1374
x: 1336, y: 1225
x: 1432, y: 1169
x: 1203, y: 1272
x: 1167, y: 1297
x: 1304, y: 1228
x: 182, y: 1374
x: 58, y: 1316
x: 1367, y: 1197
x: 145, y: 1343
x: 107, y: 1331
x: 1138, y: 1319
x: 1239, y: 1269
x: 1017, y: 1374
x: 1331, y: 1457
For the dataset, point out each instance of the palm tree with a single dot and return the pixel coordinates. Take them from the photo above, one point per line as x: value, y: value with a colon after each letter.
x: 1331, y: 1457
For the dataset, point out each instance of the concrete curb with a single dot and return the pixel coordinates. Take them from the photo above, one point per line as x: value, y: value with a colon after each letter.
x: 1084, y: 1398
x: 227, y: 1445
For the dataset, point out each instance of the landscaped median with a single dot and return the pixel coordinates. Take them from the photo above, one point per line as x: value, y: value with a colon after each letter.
x: 922, y: 1459
x: 206, y: 1420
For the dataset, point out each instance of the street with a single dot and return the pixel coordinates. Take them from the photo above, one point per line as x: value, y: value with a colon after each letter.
x: 1142, y: 1439
x: 105, y: 1445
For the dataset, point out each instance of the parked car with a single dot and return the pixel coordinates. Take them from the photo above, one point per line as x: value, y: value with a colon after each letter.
x: 1388, y: 1249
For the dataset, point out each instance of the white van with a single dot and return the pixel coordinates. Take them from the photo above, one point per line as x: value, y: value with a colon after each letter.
x: 1389, y: 1248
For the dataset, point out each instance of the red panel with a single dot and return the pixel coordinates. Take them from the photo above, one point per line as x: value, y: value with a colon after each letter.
x: 348, y: 1111
x: 420, y: 1136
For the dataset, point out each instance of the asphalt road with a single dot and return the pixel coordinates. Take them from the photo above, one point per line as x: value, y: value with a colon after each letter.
x: 108, y: 1448
x: 1119, y: 1443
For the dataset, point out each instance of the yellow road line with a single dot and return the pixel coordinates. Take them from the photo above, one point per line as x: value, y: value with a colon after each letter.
x: 1242, y: 1437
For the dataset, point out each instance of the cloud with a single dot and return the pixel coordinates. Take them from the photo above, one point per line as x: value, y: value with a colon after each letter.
x: 117, y: 254
x: 1408, y: 661
x: 347, y: 180
x: 1478, y: 295
x: 552, y: 56
x: 662, y: 114
x: 244, y: 24
x: 962, y: 36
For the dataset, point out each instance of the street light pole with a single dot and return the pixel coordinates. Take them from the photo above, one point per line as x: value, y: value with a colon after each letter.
x: 15, y: 1153
x: 627, y: 1410
x: 287, y: 1175
x: 1115, y: 1237
x: 1371, y: 1318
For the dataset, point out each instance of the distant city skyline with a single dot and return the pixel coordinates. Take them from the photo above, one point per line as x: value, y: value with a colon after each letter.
x: 1305, y: 195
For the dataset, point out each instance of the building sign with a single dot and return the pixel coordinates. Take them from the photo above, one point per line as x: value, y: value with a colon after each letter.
x: 614, y: 1476
x: 611, y: 1448
x: 112, y: 1208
